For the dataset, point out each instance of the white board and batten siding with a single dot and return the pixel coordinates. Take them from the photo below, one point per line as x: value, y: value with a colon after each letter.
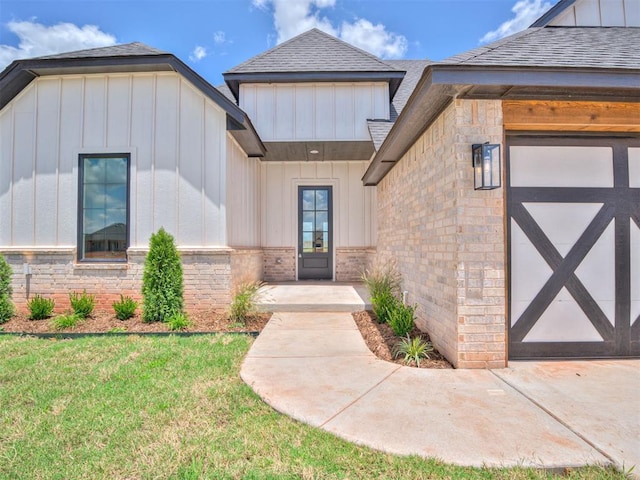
x: 243, y: 197
x: 600, y: 13
x: 175, y: 135
x: 354, y: 205
x: 314, y: 111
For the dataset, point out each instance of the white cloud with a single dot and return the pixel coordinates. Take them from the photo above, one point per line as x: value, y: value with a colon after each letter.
x: 36, y: 39
x: 198, y: 54
x: 219, y: 37
x: 525, y: 13
x: 374, y: 38
x: 292, y: 17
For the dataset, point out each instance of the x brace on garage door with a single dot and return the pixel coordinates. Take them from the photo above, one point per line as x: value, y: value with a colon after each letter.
x: 574, y: 246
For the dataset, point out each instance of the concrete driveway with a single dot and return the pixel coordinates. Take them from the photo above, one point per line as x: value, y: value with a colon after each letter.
x: 315, y: 367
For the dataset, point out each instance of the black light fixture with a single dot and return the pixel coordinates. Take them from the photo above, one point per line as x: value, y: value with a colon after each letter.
x: 486, y: 166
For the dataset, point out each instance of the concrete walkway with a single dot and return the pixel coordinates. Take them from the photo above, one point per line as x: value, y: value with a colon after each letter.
x: 316, y: 368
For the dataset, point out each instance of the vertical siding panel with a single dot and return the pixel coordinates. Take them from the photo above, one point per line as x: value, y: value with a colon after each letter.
x: 304, y: 115
x: 324, y: 110
x: 164, y: 182
x: 284, y: 108
x: 381, y: 101
x: 274, y: 205
x: 6, y: 175
x: 356, y: 207
x: 292, y: 174
x: 588, y: 13
x: 344, y: 119
x: 363, y: 109
x: 94, y: 112
x: 118, y: 101
x: 190, y: 168
x: 612, y: 13
x: 46, y: 164
x: 214, y: 177
x: 632, y: 13
x: 265, y: 112
x: 341, y: 211
x: 142, y: 128
x: 248, y: 100
x: 24, y: 165
x: 71, y: 115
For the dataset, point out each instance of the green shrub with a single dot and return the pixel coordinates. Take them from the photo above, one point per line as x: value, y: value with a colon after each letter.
x: 82, y: 304
x: 401, y: 319
x: 413, y: 349
x: 162, y: 286
x: 6, y: 305
x: 40, y: 307
x: 68, y: 320
x: 125, y: 308
x: 178, y: 321
x: 244, y: 301
x: 382, y: 279
x: 383, y: 304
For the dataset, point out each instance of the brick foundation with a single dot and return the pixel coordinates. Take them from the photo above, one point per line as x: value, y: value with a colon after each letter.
x: 209, y: 276
x: 448, y: 240
x: 351, y: 262
x: 279, y: 264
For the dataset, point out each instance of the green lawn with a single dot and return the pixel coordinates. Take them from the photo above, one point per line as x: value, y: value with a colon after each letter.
x: 172, y: 407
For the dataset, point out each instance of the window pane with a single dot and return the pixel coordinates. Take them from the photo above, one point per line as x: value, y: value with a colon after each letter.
x: 308, y: 199
x: 94, y: 170
x: 94, y: 196
x: 307, y: 222
x: 117, y: 170
x: 307, y: 242
x: 322, y: 200
x: 322, y: 221
x: 116, y: 196
x: 94, y: 220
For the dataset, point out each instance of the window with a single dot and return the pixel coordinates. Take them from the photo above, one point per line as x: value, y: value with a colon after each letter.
x: 103, y: 233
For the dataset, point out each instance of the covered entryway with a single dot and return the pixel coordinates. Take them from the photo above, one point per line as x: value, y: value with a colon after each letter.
x: 315, y: 245
x: 574, y: 246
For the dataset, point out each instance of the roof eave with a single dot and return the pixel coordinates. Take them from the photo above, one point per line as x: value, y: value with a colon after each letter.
x: 20, y: 73
x: 394, y: 78
x: 439, y: 84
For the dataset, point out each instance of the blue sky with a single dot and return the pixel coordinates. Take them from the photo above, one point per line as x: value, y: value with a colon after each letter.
x: 214, y: 35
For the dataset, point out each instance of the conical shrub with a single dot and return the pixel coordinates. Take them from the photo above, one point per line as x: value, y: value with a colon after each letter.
x: 162, y: 284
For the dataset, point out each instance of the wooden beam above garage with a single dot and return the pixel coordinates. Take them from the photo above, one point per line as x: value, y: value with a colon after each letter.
x: 571, y: 116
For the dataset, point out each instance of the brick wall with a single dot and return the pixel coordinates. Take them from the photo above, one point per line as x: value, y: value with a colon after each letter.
x: 279, y: 264
x: 447, y: 238
x: 208, y: 276
x: 246, y: 266
x: 352, y: 261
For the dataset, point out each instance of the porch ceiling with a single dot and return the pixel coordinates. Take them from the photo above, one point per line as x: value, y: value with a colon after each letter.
x: 327, y: 151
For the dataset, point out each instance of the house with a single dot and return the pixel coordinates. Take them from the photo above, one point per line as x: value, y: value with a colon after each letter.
x: 317, y: 159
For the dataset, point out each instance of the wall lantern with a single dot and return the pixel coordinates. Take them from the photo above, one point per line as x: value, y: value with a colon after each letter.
x: 486, y: 166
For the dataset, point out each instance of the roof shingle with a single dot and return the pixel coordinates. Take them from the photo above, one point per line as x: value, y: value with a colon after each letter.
x: 124, y: 50
x: 313, y: 51
x: 575, y: 47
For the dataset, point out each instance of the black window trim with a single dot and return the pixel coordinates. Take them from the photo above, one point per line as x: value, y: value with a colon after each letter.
x: 80, y: 220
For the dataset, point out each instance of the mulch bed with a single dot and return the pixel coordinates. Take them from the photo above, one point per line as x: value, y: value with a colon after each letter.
x: 381, y: 341
x: 379, y: 337
x: 105, y: 322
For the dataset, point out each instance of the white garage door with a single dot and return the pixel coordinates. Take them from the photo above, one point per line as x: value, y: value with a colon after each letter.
x: 574, y: 247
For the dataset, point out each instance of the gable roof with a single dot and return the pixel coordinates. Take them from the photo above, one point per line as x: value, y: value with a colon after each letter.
x: 313, y: 56
x: 131, y: 57
x: 578, y: 63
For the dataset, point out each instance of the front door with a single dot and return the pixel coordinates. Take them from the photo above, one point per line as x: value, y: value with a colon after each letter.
x: 315, y: 205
